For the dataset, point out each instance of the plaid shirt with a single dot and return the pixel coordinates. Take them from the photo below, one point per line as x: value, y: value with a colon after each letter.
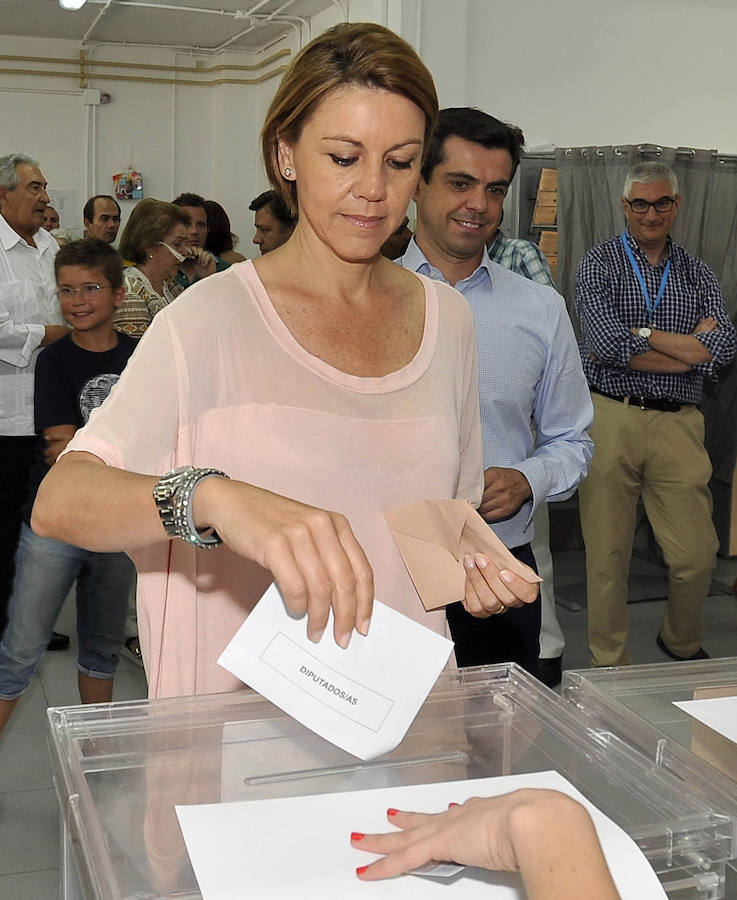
x: 522, y: 257
x: 609, y: 302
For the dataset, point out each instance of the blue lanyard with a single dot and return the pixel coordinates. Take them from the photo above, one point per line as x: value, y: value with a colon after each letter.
x: 651, y: 308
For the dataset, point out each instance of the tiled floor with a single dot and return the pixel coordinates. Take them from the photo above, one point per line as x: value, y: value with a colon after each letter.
x: 29, y: 811
x: 29, y: 842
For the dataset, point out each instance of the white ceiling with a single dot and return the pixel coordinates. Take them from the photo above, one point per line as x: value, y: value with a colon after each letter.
x: 200, y: 24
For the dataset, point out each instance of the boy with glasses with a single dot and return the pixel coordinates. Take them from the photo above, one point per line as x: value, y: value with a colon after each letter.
x: 73, y: 376
x: 653, y: 325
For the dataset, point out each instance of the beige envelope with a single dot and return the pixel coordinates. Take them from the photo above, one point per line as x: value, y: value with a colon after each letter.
x: 433, y: 537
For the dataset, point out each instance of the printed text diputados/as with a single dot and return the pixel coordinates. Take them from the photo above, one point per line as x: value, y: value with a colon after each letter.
x: 333, y: 689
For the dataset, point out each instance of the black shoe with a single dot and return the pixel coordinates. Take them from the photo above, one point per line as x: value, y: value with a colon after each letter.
x: 549, y: 670
x: 132, y: 650
x: 58, y: 641
x: 700, y: 653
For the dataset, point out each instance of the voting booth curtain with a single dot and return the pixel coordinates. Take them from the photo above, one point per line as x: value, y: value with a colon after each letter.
x: 590, y: 183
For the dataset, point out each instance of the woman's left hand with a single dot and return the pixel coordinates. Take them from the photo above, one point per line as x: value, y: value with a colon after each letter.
x: 490, y: 590
x: 204, y: 262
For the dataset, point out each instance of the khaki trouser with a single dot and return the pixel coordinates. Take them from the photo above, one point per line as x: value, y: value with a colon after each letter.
x: 661, y: 457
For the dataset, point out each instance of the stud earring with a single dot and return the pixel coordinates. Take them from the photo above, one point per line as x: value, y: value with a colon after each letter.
x: 288, y: 173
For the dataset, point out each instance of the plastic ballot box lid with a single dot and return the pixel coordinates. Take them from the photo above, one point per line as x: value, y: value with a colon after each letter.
x: 639, y: 702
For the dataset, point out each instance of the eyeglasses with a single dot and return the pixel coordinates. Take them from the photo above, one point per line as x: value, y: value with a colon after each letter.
x: 86, y: 290
x: 662, y: 205
x: 175, y: 253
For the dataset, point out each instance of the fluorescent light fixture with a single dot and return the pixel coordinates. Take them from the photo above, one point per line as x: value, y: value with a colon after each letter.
x: 72, y: 4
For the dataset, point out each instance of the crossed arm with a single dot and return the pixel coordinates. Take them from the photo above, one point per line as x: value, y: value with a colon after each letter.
x: 672, y: 352
x: 610, y: 341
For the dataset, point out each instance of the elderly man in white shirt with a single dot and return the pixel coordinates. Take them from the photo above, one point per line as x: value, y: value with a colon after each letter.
x: 30, y: 318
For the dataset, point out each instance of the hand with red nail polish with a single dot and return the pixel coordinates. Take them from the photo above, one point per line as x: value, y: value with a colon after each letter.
x: 517, y: 831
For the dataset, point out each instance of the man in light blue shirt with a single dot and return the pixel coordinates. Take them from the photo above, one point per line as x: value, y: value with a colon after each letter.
x: 529, y: 365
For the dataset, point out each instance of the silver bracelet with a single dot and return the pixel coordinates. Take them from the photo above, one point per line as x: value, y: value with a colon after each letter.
x: 174, y: 498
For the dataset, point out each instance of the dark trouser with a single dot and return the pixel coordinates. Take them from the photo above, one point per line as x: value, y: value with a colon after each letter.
x: 513, y: 636
x: 16, y: 455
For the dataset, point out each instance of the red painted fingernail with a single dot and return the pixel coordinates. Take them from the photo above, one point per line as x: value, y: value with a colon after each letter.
x: 361, y: 869
x: 453, y: 804
x: 392, y: 812
x: 357, y: 836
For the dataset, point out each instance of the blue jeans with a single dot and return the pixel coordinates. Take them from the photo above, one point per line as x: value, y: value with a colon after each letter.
x: 45, y: 571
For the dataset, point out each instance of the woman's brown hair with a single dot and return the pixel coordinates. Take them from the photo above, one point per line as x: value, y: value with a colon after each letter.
x: 360, y: 53
x: 149, y: 223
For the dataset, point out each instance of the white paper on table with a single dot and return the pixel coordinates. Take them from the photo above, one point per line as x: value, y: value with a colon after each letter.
x: 719, y: 713
x: 300, y: 846
x: 364, y: 698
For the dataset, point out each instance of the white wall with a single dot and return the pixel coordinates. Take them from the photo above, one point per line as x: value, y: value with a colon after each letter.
x: 183, y: 138
x: 572, y: 72
x: 579, y: 72
x: 602, y: 72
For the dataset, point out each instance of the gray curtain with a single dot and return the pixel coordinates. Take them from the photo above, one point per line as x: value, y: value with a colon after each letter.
x: 590, y: 181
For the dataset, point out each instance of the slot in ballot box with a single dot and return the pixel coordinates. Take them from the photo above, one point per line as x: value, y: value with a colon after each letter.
x: 120, y: 768
x: 638, y: 701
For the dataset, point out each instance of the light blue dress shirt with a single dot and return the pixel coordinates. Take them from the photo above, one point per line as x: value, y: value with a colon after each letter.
x: 535, y: 402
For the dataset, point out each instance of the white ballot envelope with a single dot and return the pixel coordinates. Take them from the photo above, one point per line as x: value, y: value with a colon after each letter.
x: 299, y: 847
x: 719, y: 713
x: 363, y: 698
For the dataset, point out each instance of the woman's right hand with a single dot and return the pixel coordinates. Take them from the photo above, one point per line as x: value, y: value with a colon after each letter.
x: 312, y: 553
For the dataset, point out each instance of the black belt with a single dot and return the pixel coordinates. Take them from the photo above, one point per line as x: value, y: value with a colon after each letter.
x: 661, y: 403
x: 522, y: 547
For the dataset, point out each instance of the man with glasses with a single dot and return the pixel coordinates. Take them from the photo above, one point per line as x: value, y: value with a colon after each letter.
x: 653, y: 326
x: 30, y: 318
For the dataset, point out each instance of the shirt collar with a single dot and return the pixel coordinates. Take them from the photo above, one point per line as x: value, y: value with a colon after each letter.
x: 416, y: 260
x: 9, y: 238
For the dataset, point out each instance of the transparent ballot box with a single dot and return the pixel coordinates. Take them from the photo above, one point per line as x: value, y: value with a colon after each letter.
x: 120, y: 768
x: 639, y: 701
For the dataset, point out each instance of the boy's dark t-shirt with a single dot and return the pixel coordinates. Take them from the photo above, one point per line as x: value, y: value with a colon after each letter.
x: 70, y: 382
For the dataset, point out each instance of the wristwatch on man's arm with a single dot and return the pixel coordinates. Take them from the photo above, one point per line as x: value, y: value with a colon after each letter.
x: 174, y: 496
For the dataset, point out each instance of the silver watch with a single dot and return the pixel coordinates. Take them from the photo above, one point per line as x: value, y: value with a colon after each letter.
x: 174, y: 494
x: 644, y: 332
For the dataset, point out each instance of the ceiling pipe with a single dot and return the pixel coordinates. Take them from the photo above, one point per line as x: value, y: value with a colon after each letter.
x: 264, y: 19
x: 146, y: 4
x: 143, y: 79
x: 102, y: 12
x: 273, y: 42
x: 180, y: 48
x: 85, y: 65
x: 239, y: 14
x: 111, y: 64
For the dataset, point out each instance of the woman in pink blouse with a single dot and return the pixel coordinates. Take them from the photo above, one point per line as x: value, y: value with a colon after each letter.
x: 321, y: 376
